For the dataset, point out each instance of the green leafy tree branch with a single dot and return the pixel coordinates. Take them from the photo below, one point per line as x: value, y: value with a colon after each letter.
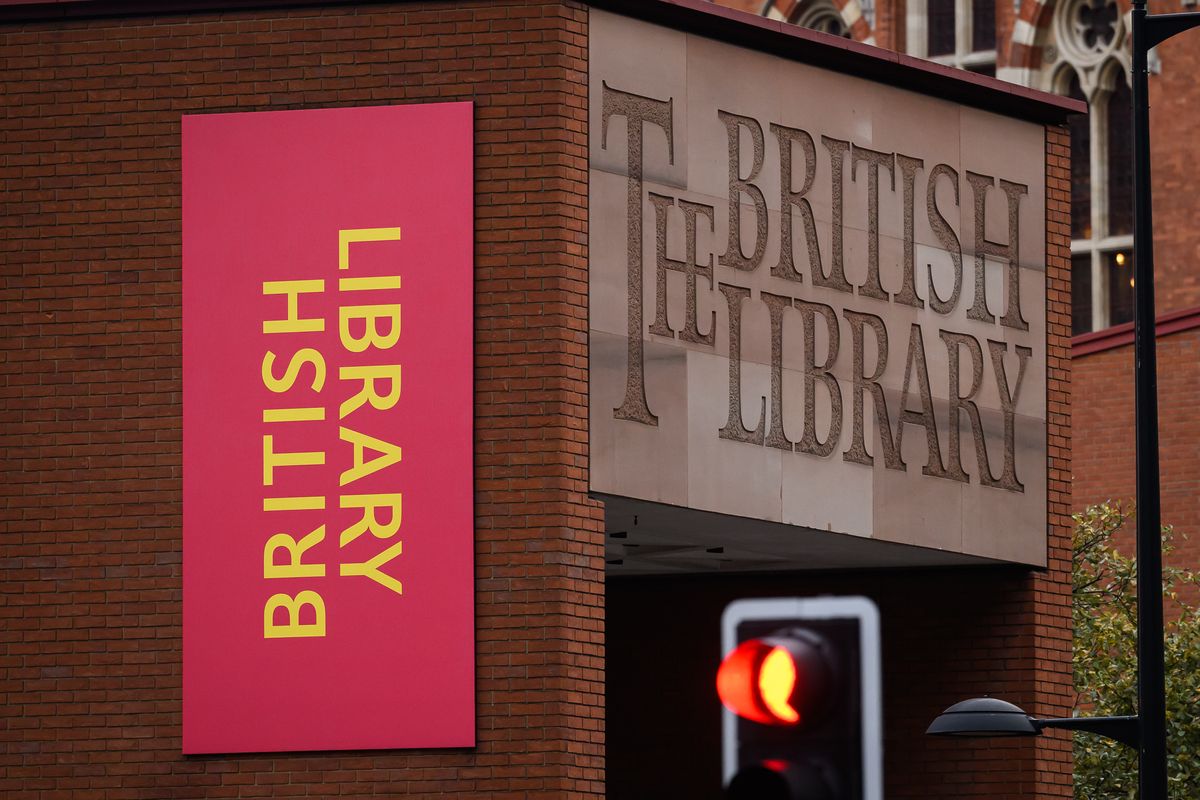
x: 1104, y: 586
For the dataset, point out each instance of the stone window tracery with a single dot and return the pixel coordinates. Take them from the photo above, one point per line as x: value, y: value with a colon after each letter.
x: 824, y: 15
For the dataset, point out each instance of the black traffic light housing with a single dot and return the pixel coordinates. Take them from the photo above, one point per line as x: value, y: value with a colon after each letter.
x: 801, y: 686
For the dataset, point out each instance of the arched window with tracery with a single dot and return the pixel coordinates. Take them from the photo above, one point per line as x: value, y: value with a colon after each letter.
x: 823, y: 16
x: 1087, y: 61
x: 849, y: 19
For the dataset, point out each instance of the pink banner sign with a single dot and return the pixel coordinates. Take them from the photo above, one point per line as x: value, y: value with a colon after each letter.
x: 327, y: 471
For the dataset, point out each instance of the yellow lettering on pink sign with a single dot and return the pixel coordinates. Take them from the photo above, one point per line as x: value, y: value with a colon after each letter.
x: 369, y: 521
x: 272, y: 459
x: 351, y: 235
x: 295, y: 553
x: 364, y: 284
x: 388, y: 454
x: 369, y: 393
x: 375, y: 385
x: 293, y: 290
x: 370, y: 569
x: 371, y: 316
x: 293, y: 628
x: 293, y: 504
x: 305, y: 355
x: 313, y: 414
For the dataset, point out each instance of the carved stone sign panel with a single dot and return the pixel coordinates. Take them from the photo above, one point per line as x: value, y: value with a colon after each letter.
x: 814, y: 299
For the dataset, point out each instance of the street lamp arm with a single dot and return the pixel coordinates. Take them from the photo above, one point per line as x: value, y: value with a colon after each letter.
x: 1160, y: 27
x: 1121, y: 729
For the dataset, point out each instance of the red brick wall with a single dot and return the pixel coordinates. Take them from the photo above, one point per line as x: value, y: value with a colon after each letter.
x: 90, y: 534
x: 1104, y: 435
x: 891, y: 26
x: 1051, y: 590
x: 1175, y: 169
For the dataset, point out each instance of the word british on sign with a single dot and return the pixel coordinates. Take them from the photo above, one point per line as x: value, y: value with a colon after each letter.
x: 815, y: 300
x: 327, y: 528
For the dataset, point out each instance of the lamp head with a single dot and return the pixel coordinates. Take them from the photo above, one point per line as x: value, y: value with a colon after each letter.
x: 983, y: 716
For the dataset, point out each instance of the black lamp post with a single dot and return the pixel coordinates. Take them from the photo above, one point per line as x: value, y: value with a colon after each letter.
x: 1148, y: 730
x: 1148, y: 31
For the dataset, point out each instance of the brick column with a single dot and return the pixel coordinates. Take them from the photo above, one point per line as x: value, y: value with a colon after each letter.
x: 1054, y: 692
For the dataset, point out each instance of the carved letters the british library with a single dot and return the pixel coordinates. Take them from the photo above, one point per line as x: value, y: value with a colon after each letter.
x: 799, y: 262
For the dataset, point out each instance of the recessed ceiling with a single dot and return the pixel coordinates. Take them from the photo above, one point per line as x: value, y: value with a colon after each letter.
x: 643, y: 538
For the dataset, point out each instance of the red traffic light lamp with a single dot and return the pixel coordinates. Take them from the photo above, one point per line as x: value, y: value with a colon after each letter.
x: 801, y: 689
x: 783, y: 679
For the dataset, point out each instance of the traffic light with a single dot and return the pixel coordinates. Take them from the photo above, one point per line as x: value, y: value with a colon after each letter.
x: 800, y: 683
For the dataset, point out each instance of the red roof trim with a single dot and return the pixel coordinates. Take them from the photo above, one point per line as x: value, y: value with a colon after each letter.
x: 1122, y: 335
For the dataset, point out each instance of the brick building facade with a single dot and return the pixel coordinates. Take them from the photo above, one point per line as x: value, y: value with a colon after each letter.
x: 1103, y: 466
x: 90, y: 376
x: 92, y: 384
